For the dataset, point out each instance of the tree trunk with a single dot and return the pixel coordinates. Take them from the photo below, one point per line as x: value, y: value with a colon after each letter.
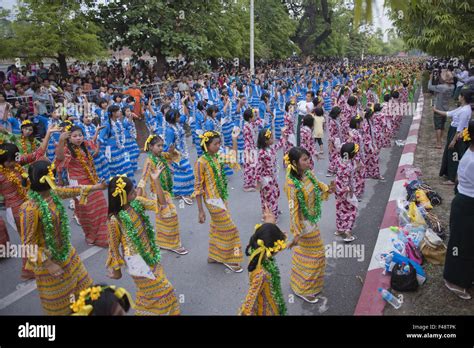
x: 62, y: 65
x: 161, y: 64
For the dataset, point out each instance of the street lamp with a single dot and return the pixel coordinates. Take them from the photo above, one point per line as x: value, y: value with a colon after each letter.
x: 252, y: 63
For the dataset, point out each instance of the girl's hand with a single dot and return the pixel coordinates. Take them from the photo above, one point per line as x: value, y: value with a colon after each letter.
x: 332, y: 187
x: 294, y: 242
x: 54, y: 269
x: 156, y: 174
x: 235, y: 133
x: 64, y: 136
x: 268, y: 216
x: 202, y: 217
x: 102, y: 185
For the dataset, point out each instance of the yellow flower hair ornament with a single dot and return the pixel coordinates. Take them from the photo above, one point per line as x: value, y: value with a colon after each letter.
x: 120, y: 191
x: 263, y: 250
x: 358, y: 117
x: 268, y: 134
x: 356, y: 148
x: 2, y: 151
x: 465, y: 135
x: 49, y: 178
x: 288, y: 164
x: 205, y: 138
x: 80, y: 308
x: 148, y: 141
x: 26, y: 123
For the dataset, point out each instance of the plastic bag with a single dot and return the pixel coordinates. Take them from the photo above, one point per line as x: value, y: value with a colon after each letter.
x: 416, y: 219
x: 422, y: 199
x: 403, y: 217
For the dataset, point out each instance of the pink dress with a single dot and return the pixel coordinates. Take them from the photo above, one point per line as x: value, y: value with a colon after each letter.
x: 307, y: 142
x: 355, y: 136
x: 346, y: 211
x: 267, y: 175
x: 250, y: 153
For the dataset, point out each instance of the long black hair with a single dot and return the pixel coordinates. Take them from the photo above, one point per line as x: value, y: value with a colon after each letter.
x: 107, y: 302
x: 171, y: 116
x: 335, y: 112
x: 36, y: 171
x: 352, y: 100
x: 114, y: 202
x: 262, y: 139
x: 71, y: 147
x: 347, y: 150
x: 294, y: 155
x: 269, y: 234
x: 11, y: 152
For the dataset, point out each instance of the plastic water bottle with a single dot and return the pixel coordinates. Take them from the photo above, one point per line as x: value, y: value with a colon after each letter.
x: 388, y: 261
x: 396, y: 302
x: 406, y: 269
x: 399, y: 246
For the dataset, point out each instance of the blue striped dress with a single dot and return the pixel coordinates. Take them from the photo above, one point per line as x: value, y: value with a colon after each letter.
x: 53, y: 140
x: 131, y: 145
x: 238, y: 119
x: 279, y: 115
x: 214, y: 125
x: 228, y: 125
x: 113, y: 136
x: 183, y: 175
x: 100, y: 162
x: 257, y: 92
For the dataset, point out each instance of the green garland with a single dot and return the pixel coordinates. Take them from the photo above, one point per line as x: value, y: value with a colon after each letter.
x: 221, y: 180
x: 132, y: 233
x: 315, y: 215
x: 275, y: 283
x: 166, y: 178
x: 47, y: 221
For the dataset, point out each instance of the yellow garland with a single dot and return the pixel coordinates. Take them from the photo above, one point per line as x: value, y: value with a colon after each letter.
x: 465, y: 135
x: 263, y: 250
x: 12, y: 176
x: 49, y: 178
x: 24, y: 147
x: 120, y: 191
x: 88, y: 167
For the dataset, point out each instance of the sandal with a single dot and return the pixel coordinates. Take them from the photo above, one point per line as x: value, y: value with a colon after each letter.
x: 180, y: 251
x: 339, y: 234
x: 309, y: 299
x: 448, y: 183
x: 234, y: 268
x: 187, y: 200
x: 459, y: 293
x: 349, y: 239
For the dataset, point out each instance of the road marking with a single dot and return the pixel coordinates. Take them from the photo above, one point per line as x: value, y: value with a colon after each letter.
x: 24, y: 289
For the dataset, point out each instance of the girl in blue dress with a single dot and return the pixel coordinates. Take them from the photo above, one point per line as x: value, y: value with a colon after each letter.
x: 100, y: 162
x: 130, y: 130
x: 183, y: 178
x: 112, y: 137
x: 257, y: 92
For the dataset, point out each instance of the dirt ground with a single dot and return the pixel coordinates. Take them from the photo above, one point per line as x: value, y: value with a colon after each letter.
x: 432, y: 298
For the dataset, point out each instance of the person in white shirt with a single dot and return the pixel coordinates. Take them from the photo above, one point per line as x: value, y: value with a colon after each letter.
x: 304, y: 107
x: 459, y: 264
x: 454, y: 148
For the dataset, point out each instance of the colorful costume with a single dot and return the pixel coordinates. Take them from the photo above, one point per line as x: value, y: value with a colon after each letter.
x: 154, y: 296
x: 308, y: 261
x: 224, y: 240
x: 56, y: 292
x: 346, y: 211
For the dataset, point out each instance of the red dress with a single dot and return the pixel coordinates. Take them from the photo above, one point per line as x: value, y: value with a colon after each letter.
x: 93, y: 214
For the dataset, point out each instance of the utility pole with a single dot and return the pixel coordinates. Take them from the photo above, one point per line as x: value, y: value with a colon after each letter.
x: 252, y: 62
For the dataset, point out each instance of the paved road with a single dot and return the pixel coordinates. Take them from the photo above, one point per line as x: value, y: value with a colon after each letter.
x: 209, y: 289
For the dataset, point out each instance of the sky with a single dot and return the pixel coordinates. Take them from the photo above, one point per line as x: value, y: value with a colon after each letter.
x: 380, y: 19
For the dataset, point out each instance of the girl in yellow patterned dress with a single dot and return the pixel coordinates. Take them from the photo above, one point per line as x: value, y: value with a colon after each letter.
x: 166, y: 221
x: 59, y: 272
x: 211, y: 186
x: 264, y: 296
x: 131, y: 231
x: 305, y: 194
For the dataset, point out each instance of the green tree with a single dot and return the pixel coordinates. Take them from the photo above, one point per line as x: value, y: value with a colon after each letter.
x: 51, y: 29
